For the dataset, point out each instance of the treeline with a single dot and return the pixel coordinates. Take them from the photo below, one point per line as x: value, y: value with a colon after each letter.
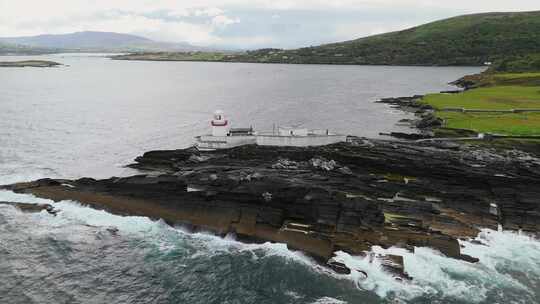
x: 516, y: 64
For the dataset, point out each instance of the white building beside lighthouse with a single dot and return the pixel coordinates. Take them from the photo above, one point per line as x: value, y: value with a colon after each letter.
x: 224, y: 137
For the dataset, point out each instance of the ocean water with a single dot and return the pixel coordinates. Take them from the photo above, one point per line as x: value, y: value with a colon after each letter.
x: 85, y: 255
x: 95, y: 115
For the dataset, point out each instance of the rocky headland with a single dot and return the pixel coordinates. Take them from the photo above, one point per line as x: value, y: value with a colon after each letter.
x: 489, y: 105
x: 348, y: 196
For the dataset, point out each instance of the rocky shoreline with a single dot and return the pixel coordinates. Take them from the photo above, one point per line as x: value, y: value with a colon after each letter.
x: 348, y: 196
x: 29, y: 63
x: 426, y: 124
x: 424, y: 120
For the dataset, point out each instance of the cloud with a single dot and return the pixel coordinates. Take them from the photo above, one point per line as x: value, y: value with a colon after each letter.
x: 222, y: 21
x: 237, y: 23
x: 209, y: 11
x: 165, y: 22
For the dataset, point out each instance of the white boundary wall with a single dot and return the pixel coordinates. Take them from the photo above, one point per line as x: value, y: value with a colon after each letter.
x: 299, y: 141
x: 208, y: 142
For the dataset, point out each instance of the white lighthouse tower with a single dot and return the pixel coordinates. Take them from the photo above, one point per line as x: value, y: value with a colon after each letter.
x: 220, y: 126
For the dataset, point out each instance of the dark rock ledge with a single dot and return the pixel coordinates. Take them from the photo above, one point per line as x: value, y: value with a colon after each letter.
x: 425, y: 119
x: 29, y: 63
x: 347, y: 196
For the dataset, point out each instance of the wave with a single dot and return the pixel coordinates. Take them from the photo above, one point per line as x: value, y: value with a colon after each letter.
x: 329, y: 300
x: 505, y: 258
x: 508, y: 260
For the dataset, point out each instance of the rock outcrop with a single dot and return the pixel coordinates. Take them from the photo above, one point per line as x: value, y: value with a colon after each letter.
x: 424, y: 122
x: 29, y: 63
x: 347, y: 196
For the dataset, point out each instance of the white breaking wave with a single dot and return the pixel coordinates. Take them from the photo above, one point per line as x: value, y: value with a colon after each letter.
x: 439, y: 276
x: 506, y: 251
x: 74, y: 213
x: 329, y: 300
x: 434, y: 275
x: 378, y: 280
x: 9, y: 196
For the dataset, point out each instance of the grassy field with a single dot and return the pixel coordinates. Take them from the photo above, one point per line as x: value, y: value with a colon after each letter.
x: 506, y: 76
x: 507, y: 124
x: 493, y: 98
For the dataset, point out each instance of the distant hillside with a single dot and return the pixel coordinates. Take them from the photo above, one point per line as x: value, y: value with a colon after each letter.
x: 13, y: 49
x: 464, y: 40
x: 78, y: 40
x: 97, y: 41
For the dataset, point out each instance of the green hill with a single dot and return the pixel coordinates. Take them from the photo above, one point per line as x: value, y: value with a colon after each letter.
x: 465, y: 40
x: 518, y: 63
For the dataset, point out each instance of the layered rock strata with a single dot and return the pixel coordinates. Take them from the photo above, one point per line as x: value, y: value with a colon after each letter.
x: 348, y: 196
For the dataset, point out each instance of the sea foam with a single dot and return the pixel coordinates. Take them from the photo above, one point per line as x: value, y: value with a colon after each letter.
x: 501, y: 253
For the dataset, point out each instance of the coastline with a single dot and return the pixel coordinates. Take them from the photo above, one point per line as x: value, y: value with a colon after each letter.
x: 327, y: 179
x: 172, y: 57
x: 29, y: 63
x: 500, y: 106
x: 343, y: 197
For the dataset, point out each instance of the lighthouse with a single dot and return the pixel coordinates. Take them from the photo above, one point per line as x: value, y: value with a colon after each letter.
x: 220, y: 126
x: 225, y: 137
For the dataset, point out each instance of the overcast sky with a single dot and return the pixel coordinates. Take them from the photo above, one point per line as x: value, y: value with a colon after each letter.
x: 238, y: 23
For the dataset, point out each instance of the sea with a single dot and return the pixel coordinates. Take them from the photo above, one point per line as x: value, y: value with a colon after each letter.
x: 93, y: 115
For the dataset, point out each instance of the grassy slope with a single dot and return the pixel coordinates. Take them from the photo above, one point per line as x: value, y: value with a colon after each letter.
x: 524, y: 124
x: 496, y: 95
x: 464, y: 40
x: 492, y: 98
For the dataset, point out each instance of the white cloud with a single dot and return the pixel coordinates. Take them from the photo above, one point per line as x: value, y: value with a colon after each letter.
x: 178, y: 13
x: 61, y: 16
x: 222, y: 21
x: 209, y: 11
